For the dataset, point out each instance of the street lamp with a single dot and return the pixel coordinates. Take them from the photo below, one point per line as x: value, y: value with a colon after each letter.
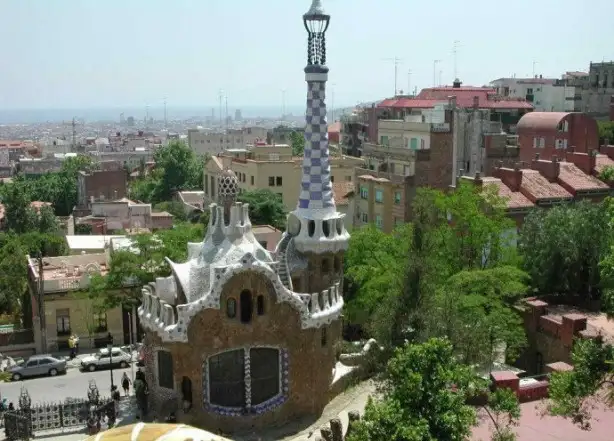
x: 316, y: 23
x: 110, y: 348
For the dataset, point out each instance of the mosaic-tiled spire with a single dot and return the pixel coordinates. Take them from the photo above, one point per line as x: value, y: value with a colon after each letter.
x: 316, y: 187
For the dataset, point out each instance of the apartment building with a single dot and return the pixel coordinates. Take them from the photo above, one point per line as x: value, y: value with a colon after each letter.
x: 271, y: 167
x: 65, y: 309
x: 204, y: 141
x: 124, y: 215
x: 546, y: 94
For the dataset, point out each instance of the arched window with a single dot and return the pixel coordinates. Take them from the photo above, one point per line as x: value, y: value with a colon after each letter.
x: 264, y: 368
x: 227, y: 379
x: 311, y: 228
x: 246, y: 306
x: 260, y: 304
x: 186, y: 390
x: 231, y: 308
x: 325, y: 265
x: 326, y: 228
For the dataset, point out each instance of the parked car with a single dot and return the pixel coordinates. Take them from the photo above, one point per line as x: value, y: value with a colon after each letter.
x: 140, y: 358
x: 104, y: 359
x: 38, y: 365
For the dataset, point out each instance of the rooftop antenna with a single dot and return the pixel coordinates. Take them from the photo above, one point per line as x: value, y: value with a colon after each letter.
x: 74, y: 134
x: 409, y: 82
x: 283, y: 104
x: 220, y: 95
x: 396, y: 61
x: 226, y: 101
x: 455, y: 53
x: 435, y: 64
x: 534, y: 63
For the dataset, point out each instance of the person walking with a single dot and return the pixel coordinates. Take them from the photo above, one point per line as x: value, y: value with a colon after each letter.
x: 126, y: 383
x: 71, y: 346
x: 141, y: 390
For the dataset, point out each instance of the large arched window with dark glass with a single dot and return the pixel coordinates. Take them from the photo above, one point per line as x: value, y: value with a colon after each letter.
x: 165, y: 370
x: 264, y: 368
x: 247, y: 306
x: 227, y: 379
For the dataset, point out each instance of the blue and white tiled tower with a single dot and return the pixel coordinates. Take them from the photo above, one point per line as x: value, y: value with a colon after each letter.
x: 316, y: 224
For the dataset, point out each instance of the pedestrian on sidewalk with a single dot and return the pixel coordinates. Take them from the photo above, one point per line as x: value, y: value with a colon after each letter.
x: 71, y: 346
x: 126, y: 383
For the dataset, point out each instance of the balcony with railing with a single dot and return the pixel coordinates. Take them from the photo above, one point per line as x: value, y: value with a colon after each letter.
x: 402, y: 125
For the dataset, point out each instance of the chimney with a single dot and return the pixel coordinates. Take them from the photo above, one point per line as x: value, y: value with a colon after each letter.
x: 511, y: 177
x: 548, y: 169
x: 584, y: 161
x: 456, y: 84
x: 452, y: 101
x: 476, y: 102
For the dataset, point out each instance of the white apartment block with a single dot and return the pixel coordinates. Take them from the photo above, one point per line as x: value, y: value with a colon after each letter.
x: 206, y: 141
x: 546, y: 94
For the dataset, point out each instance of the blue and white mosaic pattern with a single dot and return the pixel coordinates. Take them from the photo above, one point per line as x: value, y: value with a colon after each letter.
x: 316, y: 187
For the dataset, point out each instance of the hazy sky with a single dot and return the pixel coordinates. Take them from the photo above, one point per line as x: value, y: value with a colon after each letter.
x: 108, y: 53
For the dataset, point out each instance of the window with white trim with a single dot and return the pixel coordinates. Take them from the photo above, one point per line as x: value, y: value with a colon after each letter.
x: 164, y: 368
x: 242, y: 379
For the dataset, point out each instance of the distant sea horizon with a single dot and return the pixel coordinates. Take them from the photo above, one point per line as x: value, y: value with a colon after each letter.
x: 33, y: 116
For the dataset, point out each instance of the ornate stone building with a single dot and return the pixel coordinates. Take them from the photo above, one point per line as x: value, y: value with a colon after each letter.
x: 239, y: 337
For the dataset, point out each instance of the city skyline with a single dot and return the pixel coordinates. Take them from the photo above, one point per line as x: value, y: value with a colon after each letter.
x: 64, y: 61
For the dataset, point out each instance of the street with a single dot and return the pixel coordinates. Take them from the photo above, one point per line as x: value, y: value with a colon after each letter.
x: 54, y: 389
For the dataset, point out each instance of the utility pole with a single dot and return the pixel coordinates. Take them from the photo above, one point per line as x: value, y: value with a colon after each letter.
x: 220, y: 95
x: 455, y: 54
x: 74, y: 135
x: 409, y: 82
x: 41, y: 303
x: 283, y: 104
x: 396, y: 61
x: 226, y: 99
x: 435, y: 64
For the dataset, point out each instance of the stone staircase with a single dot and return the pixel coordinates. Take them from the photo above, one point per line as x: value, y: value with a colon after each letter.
x: 283, y: 264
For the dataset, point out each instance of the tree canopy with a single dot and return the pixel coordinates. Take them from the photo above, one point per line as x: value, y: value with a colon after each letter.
x: 297, y: 142
x: 423, y: 398
x: 177, y: 168
x: 132, y: 268
x: 265, y: 208
x: 562, y: 248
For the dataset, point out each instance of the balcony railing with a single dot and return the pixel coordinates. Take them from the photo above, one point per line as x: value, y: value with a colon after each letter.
x: 412, y: 126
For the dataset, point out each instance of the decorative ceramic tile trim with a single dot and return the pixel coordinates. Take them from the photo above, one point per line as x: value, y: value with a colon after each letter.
x: 260, y: 408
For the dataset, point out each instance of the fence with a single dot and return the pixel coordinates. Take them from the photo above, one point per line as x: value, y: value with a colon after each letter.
x: 71, y: 414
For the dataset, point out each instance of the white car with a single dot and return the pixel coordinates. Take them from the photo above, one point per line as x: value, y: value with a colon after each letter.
x: 104, y: 359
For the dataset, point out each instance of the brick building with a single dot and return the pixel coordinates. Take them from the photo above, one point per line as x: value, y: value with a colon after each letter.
x: 551, y: 133
x: 101, y: 185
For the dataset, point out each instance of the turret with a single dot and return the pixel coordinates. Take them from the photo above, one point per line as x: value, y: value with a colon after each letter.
x: 316, y: 225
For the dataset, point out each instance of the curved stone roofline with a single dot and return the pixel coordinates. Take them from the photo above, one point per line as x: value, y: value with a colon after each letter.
x: 322, y: 235
x: 171, y: 323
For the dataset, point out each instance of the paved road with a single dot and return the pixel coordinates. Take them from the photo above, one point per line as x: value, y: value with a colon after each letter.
x: 72, y: 385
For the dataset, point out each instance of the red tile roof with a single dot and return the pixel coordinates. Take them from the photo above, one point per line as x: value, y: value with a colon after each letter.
x: 515, y: 199
x: 334, y: 127
x: 541, y: 120
x: 578, y: 180
x: 427, y: 98
x: 601, y: 162
x: 341, y: 191
x: 538, y: 187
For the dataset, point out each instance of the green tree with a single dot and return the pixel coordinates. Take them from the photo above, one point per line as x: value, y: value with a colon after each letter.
x: 20, y: 217
x: 297, y: 142
x: 173, y: 207
x: 475, y: 311
x: 265, y: 208
x: 562, y: 247
x: 130, y: 269
x: 606, y: 131
x: 503, y: 411
x: 14, y: 270
x: 423, y: 398
x: 573, y: 393
x: 47, y: 221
